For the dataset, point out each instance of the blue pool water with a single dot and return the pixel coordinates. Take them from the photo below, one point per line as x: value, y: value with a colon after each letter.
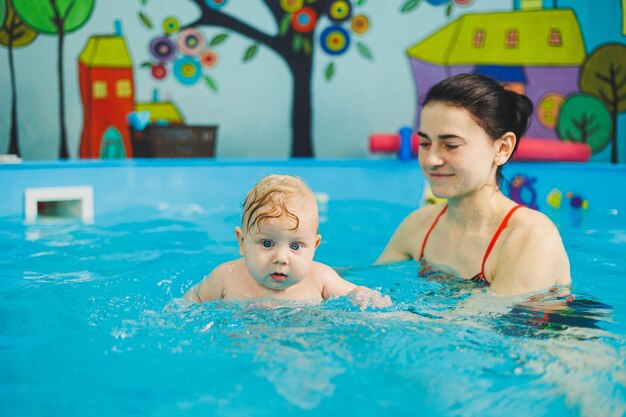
x: 90, y: 324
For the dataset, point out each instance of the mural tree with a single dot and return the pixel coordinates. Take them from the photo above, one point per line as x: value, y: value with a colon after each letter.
x: 13, y: 34
x: 294, y: 43
x: 56, y: 17
x: 584, y: 118
x: 604, y: 75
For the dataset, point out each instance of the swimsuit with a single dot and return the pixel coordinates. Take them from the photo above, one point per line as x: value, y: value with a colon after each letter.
x: 480, y: 277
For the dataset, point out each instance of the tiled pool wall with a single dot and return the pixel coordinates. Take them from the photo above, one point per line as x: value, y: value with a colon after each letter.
x: 119, y: 185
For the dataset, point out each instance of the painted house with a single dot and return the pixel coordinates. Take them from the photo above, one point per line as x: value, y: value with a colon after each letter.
x: 536, y: 52
x: 108, y: 95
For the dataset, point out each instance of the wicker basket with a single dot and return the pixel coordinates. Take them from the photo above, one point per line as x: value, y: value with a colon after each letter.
x: 174, y: 141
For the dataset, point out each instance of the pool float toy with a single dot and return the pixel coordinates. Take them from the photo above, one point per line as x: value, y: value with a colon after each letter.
x: 430, y: 198
x: 521, y: 191
x: 554, y: 198
x: 529, y: 149
x: 576, y: 201
x: 391, y: 142
x: 539, y: 149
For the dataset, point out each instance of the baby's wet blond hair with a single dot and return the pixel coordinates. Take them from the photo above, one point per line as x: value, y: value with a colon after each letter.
x: 269, y: 197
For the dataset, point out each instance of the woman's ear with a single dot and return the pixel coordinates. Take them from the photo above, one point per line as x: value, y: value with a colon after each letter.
x: 239, y: 235
x: 318, y: 240
x: 504, y: 148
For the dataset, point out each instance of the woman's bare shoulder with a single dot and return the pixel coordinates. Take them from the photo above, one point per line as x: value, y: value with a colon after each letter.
x: 425, y: 214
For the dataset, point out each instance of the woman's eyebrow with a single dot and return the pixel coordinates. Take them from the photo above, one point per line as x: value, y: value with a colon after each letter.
x: 441, y: 137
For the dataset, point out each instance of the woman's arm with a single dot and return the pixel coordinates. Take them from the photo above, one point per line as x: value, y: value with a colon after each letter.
x: 408, y: 236
x: 531, y: 258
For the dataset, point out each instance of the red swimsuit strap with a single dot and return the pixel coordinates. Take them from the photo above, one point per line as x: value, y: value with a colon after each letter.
x: 495, y: 238
x: 430, y: 230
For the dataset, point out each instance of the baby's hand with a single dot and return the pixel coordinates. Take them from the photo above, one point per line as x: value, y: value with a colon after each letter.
x: 364, y: 297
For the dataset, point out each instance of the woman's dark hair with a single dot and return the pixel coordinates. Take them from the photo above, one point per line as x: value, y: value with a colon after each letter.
x: 494, y: 108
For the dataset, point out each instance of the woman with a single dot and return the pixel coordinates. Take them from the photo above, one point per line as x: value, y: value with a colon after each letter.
x: 470, y: 126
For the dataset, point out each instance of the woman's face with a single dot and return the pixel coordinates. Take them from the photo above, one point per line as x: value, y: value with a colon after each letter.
x: 456, y: 155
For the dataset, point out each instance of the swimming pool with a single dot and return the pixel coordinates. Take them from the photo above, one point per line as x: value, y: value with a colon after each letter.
x: 89, y: 324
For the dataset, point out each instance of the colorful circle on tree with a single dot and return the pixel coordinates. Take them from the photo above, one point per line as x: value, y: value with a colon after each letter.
x: 304, y: 20
x: 208, y: 59
x: 462, y: 2
x: 158, y: 71
x: 360, y: 24
x: 291, y: 6
x: 191, y: 42
x: 339, y: 10
x: 437, y: 2
x: 216, y: 4
x: 171, y: 25
x: 162, y: 49
x: 187, y: 70
x: 335, y: 40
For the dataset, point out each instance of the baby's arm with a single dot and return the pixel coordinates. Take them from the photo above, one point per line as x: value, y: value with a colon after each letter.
x: 334, y: 285
x: 210, y: 288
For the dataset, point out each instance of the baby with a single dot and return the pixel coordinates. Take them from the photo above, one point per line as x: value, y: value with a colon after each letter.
x: 277, y: 241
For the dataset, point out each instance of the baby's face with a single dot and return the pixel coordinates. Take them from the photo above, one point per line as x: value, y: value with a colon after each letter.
x: 276, y: 256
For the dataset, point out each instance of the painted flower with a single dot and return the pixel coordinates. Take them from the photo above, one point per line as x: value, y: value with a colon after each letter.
x: 162, y: 49
x: 216, y: 4
x: 208, y: 59
x: 171, y: 25
x: 291, y: 6
x: 304, y: 20
x: 335, y: 40
x: 191, y: 42
x: 339, y: 10
x: 158, y: 71
x: 187, y: 70
x: 360, y: 24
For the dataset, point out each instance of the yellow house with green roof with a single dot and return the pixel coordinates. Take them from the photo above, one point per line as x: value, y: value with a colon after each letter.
x: 537, y: 52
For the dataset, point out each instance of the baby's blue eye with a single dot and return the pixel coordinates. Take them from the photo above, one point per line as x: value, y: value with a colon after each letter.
x: 295, y: 246
x: 266, y: 243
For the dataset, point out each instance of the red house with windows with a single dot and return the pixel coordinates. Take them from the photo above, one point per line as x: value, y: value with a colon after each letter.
x: 107, y: 90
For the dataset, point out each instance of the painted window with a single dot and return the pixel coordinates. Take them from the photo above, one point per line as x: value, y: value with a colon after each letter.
x: 555, y: 38
x: 512, y: 38
x: 479, y: 38
x: 99, y: 89
x: 123, y: 89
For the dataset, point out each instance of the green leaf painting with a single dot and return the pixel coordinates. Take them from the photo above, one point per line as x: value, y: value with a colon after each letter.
x: 330, y: 71
x: 3, y: 12
x: 44, y: 15
x: 218, y: 39
x: 409, y: 6
x: 285, y: 24
x: 364, y: 51
x: 210, y: 82
x: 145, y: 20
x: 250, y: 52
x: 297, y: 42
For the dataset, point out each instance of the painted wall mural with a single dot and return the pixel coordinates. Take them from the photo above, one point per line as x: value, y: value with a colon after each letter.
x: 14, y: 34
x: 541, y: 53
x: 192, y: 55
x: 182, y: 47
x: 56, y: 18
